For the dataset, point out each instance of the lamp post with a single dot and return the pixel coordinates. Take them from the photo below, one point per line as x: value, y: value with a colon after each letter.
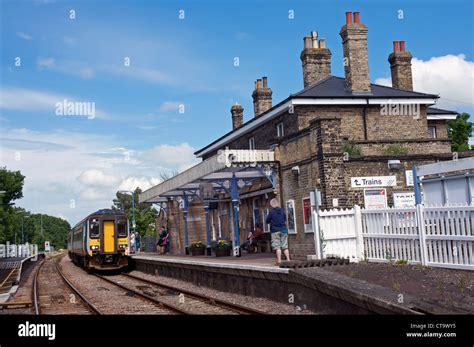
x: 133, y: 207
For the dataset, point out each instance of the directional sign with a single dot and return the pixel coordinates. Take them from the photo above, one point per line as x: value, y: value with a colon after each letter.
x: 373, y: 181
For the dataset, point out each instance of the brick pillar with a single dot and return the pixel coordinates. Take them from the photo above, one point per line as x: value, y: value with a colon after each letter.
x: 316, y: 60
x: 356, y: 59
x: 400, y: 66
x: 237, y: 116
x: 330, y: 161
x: 262, y: 97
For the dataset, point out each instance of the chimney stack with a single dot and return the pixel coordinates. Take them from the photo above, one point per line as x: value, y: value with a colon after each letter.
x: 237, y: 116
x: 400, y: 66
x: 356, y: 59
x: 316, y: 59
x: 262, y: 97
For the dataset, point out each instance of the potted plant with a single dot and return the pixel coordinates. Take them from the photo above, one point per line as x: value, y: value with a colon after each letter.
x: 222, y: 248
x: 197, y: 248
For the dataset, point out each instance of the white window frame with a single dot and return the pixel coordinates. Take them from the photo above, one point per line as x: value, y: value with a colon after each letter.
x: 295, y: 230
x: 252, y: 143
x: 280, y: 129
x: 308, y: 229
x: 266, y: 226
x: 434, y: 132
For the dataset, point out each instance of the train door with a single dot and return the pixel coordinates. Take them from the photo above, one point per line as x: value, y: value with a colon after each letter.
x: 109, y: 236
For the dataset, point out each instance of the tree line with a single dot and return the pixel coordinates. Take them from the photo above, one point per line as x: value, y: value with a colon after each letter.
x: 18, y: 225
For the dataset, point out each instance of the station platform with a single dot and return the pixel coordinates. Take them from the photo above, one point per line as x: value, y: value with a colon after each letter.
x: 257, y: 275
x: 252, y: 262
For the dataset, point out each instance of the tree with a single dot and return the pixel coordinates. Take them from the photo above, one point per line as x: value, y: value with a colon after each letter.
x: 11, y: 189
x: 459, y: 131
x: 145, y: 214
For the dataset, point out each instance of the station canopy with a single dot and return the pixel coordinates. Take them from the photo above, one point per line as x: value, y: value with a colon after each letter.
x: 218, y: 172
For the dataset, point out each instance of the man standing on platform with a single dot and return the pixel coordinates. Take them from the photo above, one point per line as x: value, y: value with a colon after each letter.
x: 277, y: 220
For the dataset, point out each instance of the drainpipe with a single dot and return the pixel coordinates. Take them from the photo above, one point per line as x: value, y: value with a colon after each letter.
x: 364, y: 120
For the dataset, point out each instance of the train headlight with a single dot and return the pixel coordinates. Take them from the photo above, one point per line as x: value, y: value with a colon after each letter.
x: 123, y: 246
x: 95, y: 248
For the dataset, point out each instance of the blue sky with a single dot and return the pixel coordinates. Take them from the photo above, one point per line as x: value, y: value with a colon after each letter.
x: 138, y: 131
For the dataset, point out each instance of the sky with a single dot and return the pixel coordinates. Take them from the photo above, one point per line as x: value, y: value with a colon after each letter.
x: 162, y: 76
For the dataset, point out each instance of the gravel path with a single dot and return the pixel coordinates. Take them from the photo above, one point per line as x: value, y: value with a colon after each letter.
x: 262, y: 304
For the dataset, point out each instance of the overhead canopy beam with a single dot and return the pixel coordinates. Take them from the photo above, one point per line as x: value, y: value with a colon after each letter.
x: 221, y: 166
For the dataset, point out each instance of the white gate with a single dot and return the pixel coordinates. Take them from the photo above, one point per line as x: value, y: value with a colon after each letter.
x: 391, y: 234
x: 339, y: 233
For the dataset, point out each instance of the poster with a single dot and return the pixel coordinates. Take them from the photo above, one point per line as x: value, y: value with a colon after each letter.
x: 375, y: 198
x: 404, y: 199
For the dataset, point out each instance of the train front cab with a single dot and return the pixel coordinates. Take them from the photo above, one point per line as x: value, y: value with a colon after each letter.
x: 108, y: 242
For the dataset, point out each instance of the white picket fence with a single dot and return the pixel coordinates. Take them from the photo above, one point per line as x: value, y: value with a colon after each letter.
x: 432, y: 236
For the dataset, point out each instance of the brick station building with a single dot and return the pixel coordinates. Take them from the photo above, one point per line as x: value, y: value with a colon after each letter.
x: 327, y: 137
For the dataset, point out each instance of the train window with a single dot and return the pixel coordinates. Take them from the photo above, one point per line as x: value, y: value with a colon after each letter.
x: 122, y: 227
x: 94, y: 228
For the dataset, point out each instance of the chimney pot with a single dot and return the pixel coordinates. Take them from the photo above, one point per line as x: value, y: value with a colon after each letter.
x: 314, y: 39
x: 259, y: 84
x: 348, y: 17
x: 264, y: 80
x: 322, y: 43
x: 356, y: 17
x: 395, y: 46
x: 402, y: 46
x: 307, y: 42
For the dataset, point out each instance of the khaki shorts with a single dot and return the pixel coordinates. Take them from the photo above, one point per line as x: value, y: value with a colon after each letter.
x: 279, y: 240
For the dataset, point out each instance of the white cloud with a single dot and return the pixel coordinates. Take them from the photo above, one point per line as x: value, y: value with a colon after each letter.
x: 140, y: 73
x: 45, y: 62
x: 68, y: 67
x: 24, y: 36
x: 93, y: 194
x: 97, y: 178
x: 131, y: 183
x: 169, y: 106
x: 179, y: 156
x: 63, y: 166
x: 12, y: 98
x: 450, y: 76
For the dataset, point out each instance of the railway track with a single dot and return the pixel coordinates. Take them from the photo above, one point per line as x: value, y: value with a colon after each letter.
x: 177, y: 299
x: 53, y: 293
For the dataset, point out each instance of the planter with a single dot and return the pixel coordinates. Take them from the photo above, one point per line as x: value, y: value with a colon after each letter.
x: 222, y: 252
x: 198, y: 251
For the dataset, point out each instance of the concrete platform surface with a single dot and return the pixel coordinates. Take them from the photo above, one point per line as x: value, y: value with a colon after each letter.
x: 257, y: 261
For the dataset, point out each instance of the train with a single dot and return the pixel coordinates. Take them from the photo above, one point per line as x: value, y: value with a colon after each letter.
x: 101, y: 241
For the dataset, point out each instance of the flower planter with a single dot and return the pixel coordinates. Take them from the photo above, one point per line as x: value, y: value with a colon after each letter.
x: 198, y: 251
x: 222, y: 252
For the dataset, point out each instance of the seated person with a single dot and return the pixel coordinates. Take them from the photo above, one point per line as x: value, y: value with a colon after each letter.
x: 254, y: 237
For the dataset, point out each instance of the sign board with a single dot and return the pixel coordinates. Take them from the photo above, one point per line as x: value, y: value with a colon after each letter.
x: 375, y: 198
x: 373, y: 181
x: 47, y: 246
x: 404, y: 199
x: 409, y: 178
